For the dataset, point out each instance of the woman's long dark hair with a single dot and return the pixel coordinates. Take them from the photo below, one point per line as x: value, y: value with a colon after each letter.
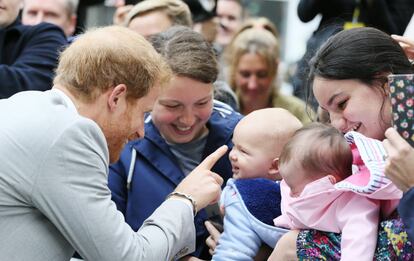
x: 364, y: 54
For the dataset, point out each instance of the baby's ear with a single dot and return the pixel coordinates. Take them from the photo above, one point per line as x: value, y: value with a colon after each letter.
x: 274, y: 169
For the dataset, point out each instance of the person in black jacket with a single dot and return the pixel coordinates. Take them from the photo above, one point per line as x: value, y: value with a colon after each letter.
x: 390, y: 16
x: 28, y: 54
x: 58, y: 12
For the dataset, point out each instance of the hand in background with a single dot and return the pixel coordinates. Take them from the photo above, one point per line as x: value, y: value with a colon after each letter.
x: 121, y: 14
x: 400, y: 162
x: 407, y: 44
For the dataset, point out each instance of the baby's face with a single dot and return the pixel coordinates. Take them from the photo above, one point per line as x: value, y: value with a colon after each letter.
x: 251, y: 156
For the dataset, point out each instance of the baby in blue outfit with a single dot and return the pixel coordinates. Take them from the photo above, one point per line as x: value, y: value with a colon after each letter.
x: 251, y: 199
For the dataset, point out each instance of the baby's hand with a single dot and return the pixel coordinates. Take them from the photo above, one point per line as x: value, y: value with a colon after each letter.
x: 222, y: 210
x: 214, y: 237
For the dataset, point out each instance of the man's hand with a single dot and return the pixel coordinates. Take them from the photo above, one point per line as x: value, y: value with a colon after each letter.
x: 120, y: 14
x: 203, y: 185
x: 400, y: 161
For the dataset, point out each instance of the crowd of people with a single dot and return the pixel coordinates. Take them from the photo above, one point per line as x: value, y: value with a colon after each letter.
x: 169, y: 136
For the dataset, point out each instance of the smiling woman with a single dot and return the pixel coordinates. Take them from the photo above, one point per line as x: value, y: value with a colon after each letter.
x: 253, y: 60
x: 183, y: 110
x: 348, y: 77
x: 185, y: 126
x: 348, y: 108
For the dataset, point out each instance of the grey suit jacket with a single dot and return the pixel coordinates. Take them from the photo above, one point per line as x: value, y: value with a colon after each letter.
x: 54, y: 196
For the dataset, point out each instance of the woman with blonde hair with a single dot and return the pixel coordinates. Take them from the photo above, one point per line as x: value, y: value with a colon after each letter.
x: 253, y: 60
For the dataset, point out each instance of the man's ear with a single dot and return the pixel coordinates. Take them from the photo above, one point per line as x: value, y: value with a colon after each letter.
x: 274, y: 169
x: 116, y: 96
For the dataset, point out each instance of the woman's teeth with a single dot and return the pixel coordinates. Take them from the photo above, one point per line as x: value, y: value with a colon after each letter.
x: 183, y: 128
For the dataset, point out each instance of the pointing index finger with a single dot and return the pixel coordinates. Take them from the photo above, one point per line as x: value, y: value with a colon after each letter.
x: 211, y: 159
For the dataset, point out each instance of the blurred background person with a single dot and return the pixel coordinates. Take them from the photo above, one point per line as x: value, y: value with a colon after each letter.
x: 204, y: 18
x: 58, y: 12
x: 253, y: 60
x: 254, y: 22
x: 81, y: 13
x: 205, y: 22
x: 150, y: 17
x: 203, y: 15
x: 28, y: 54
x: 390, y: 16
x: 231, y: 14
x: 259, y: 23
x: 122, y: 8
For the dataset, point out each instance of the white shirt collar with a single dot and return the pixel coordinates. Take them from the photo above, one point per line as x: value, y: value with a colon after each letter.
x: 68, y: 101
